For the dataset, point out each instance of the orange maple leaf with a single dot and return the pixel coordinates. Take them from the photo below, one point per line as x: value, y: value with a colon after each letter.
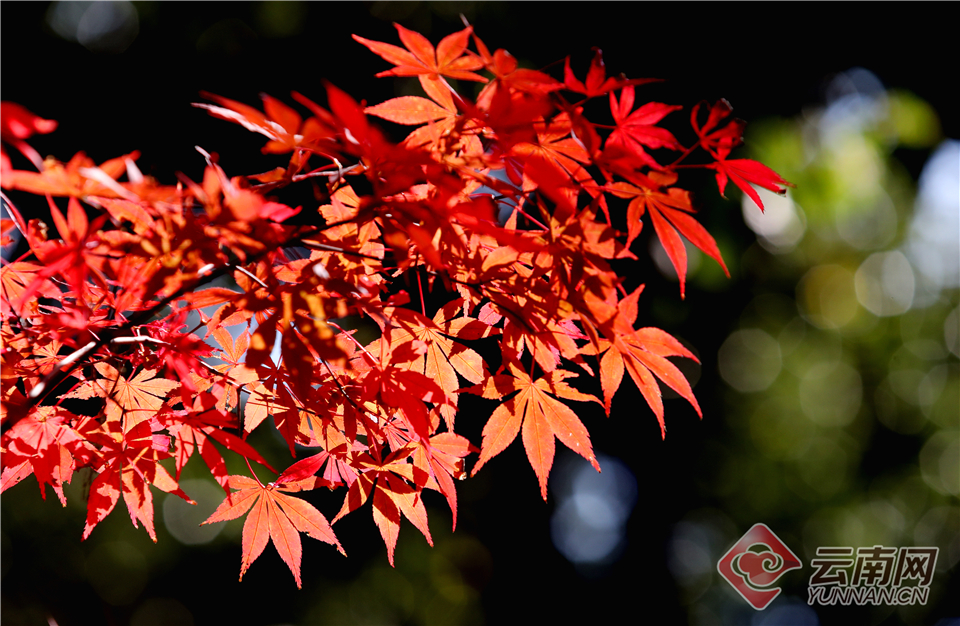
x: 391, y: 495
x: 444, y: 358
x: 134, y: 400
x: 541, y: 415
x: 275, y: 516
x: 642, y: 353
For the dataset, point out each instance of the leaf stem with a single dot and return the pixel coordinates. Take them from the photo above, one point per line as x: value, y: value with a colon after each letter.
x: 255, y: 477
x: 423, y: 307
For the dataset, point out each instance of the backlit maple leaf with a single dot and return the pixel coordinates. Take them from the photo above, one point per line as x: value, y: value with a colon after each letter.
x: 46, y: 442
x: 596, y: 83
x: 16, y: 125
x: 541, y: 416
x: 140, y: 397
x: 670, y: 211
x: 642, y: 353
x: 128, y: 465
x: 638, y: 129
x: 508, y: 75
x: 443, y: 454
x: 443, y: 358
x: 743, y: 172
x: 421, y: 59
x: 273, y: 515
x: 719, y: 140
x: 279, y: 123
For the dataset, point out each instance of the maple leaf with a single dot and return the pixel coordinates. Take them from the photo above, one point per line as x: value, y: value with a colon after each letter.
x: 443, y: 358
x: 391, y: 496
x: 70, y: 256
x: 398, y: 385
x: 541, y: 416
x: 19, y: 123
x: 439, y: 119
x: 638, y: 129
x: 713, y: 136
x: 409, y: 110
x: 508, y: 75
x: 23, y: 277
x: 450, y: 58
x: 719, y: 140
x: 129, y: 463
x: 46, y: 442
x: 743, y: 172
x: 80, y: 177
x: 180, y: 351
x: 87, y: 306
x: 199, y: 428
x: 642, y: 353
x: 596, y: 82
x: 441, y: 459
x: 275, y: 516
x: 553, y: 148
x: 279, y: 123
x: 134, y: 401
x: 670, y: 212
x: 16, y: 125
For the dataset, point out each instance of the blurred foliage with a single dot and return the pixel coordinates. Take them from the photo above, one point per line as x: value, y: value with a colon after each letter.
x: 843, y: 386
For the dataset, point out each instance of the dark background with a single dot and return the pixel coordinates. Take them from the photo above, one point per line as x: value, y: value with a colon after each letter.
x: 767, y: 60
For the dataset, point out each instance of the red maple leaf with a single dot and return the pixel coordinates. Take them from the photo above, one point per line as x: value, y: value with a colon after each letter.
x: 497, y: 210
x: 719, y: 140
x: 46, y: 444
x: 450, y: 58
x: 17, y: 124
x: 443, y: 358
x: 743, y: 172
x: 128, y: 464
x: 671, y: 211
x: 133, y: 400
x: 596, y: 83
x: 638, y: 129
x: 642, y: 353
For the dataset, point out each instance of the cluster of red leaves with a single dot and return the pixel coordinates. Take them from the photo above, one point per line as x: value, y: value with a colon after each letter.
x: 502, y: 201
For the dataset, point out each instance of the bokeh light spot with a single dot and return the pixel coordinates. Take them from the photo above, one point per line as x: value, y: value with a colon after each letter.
x: 885, y: 284
x: 183, y: 519
x: 940, y: 462
x: 831, y: 394
x: 869, y: 226
x: 780, y: 226
x: 826, y: 296
x: 97, y: 26
x: 117, y: 571
x: 749, y: 360
x: 589, y: 524
x: 825, y: 467
x: 162, y: 612
x: 933, y: 244
x: 779, y: 430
